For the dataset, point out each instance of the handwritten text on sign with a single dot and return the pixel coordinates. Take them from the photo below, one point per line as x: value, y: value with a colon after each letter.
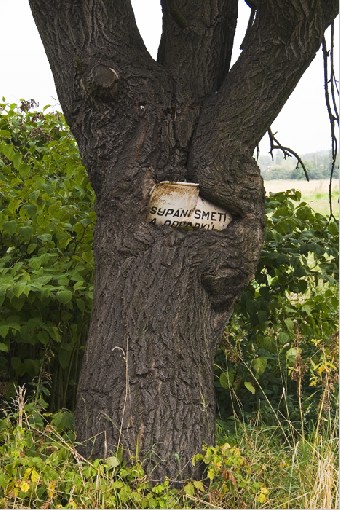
x: 179, y: 205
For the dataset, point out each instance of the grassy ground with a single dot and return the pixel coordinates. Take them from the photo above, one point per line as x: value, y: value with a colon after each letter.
x: 254, y: 466
x: 315, y: 192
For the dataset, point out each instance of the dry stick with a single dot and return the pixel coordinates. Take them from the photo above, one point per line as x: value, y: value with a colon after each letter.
x: 198, y: 500
x: 126, y: 359
x: 333, y: 117
x: 275, y: 144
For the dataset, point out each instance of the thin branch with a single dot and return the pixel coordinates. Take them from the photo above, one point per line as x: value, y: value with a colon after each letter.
x: 332, y: 77
x: 287, y: 151
x: 331, y: 107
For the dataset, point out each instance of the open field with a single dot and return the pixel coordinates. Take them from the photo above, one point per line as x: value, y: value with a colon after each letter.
x: 314, y: 192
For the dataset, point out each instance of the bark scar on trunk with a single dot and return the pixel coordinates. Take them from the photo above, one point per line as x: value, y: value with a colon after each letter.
x: 101, y: 81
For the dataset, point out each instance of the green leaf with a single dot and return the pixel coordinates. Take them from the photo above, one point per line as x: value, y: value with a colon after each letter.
x: 9, y: 227
x: 259, y: 365
x: 304, y: 213
x: 3, y: 347
x: 333, y: 227
x: 31, y: 367
x: 292, y: 355
x: 64, y: 296
x: 283, y: 337
x: 113, y: 462
x: 289, y: 324
x: 21, y: 288
x: 249, y: 387
x: 189, y: 489
x: 30, y: 209
x: 26, y: 232
x: 63, y: 420
x: 4, y: 329
x: 198, y: 485
x: 227, y: 378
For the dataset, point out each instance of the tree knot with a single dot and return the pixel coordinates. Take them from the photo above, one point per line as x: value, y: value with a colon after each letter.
x: 101, y: 81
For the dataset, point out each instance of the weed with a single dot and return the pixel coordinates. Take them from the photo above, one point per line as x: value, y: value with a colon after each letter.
x: 252, y: 467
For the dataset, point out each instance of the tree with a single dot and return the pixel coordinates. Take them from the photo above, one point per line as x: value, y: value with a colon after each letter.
x: 163, y: 295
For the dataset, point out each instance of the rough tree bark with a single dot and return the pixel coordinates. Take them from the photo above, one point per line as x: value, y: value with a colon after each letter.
x: 162, y: 295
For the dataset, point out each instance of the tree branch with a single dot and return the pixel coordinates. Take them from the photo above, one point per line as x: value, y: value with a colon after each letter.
x: 80, y: 34
x: 333, y: 117
x: 281, y: 44
x: 276, y: 145
x: 197, y: 42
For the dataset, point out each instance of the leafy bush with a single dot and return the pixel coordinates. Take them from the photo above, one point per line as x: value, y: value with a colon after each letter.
x: 282, y: 340
x: 41, y: 468
x: 46, y: 224
x: 280, y: 345
x: 279, y: 354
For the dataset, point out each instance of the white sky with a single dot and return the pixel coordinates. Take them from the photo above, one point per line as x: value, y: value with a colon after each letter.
x: 302, y: 124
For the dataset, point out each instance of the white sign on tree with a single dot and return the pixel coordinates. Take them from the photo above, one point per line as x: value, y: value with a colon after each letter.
x: 178, y: 204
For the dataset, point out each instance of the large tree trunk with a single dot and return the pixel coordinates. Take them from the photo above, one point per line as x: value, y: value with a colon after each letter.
x: 161, y: 300
x: 163, y: 295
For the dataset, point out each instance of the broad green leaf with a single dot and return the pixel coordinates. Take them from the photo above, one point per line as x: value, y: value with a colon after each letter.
x: 9, y: 227
x: 199, y: 485
x: 26, y: 232
x: 64, y: 296
x: 4, y: 329
x: 63, y: 420
x: 20, y: 288
x: 333, y: 228
x: 259, y: 365
x: 289, y: 323
x: 29, y: 209
x: 304, y: 213
x: 227, y: 379
x: 189, y: 489
x: 112, y: 461
x: 31, y: 366
x: 292, y: 355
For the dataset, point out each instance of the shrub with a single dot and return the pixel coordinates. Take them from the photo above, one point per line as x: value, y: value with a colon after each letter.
x: 281, y: 344
x: 46, y: 224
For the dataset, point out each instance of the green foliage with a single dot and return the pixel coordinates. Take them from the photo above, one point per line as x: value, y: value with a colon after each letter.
x: 278, y: 359
x: 281, y: 340
x: 230, y: 478
x: 40, y: 467
x: 46, y: 224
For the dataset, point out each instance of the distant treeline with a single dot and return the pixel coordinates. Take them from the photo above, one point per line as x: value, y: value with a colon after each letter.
x: 318, y: 165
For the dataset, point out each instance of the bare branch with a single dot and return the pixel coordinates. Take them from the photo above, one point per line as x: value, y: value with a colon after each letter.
x: 281, y: 44
x: 276, y: 145
x: 331, y: 108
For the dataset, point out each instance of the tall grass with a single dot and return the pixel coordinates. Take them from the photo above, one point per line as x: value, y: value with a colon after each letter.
x: 254, y: 466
